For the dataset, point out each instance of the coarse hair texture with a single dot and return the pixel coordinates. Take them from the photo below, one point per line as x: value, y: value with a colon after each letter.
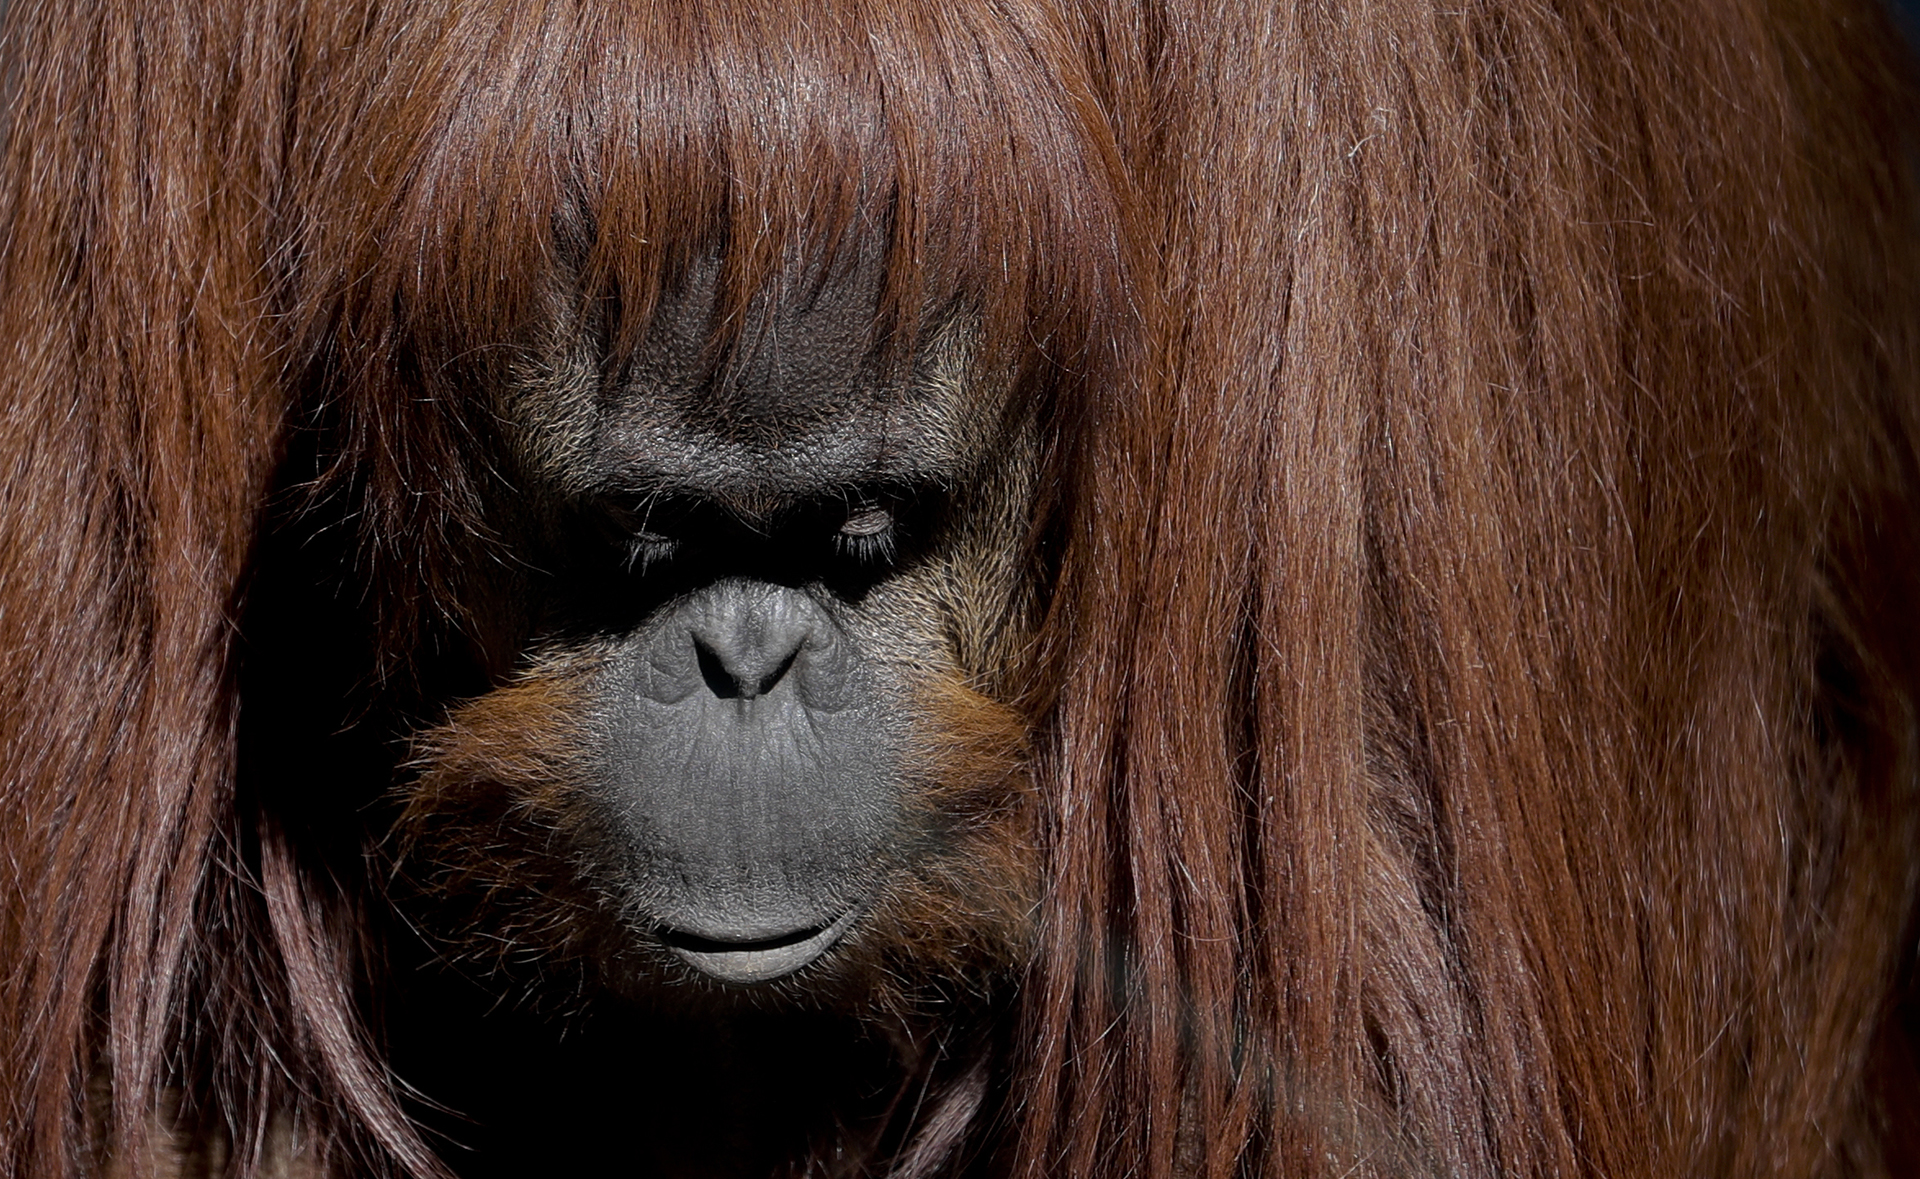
x: 1474, y: 716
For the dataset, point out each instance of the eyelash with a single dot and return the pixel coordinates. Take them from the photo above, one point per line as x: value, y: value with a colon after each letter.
x: 871, y: 548
x: 647, y: 549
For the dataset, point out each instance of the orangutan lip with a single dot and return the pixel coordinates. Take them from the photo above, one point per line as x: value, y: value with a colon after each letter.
x: 761, y: 960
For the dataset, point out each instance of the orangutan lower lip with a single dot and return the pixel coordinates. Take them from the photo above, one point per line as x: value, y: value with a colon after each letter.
x: 761, y: 960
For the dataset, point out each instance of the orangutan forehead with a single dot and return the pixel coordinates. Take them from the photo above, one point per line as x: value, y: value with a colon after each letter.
x: 795, y: 425
x: 798, y: 400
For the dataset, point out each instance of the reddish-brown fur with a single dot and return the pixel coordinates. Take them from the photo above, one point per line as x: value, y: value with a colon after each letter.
x: 1474, y: 722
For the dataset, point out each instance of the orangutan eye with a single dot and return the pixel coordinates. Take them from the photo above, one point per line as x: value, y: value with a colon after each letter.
x: 646, y: 549
x: 867, y: 534
x: 649, y: 532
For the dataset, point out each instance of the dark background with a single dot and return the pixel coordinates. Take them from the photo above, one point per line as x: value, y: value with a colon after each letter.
x: 1909, y: 13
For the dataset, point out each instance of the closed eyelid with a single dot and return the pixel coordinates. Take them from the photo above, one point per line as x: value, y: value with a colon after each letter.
x: 867, y: 520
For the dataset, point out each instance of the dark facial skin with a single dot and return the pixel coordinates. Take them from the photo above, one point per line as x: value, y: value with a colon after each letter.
x: 759, y: 571
x: 756, y: 710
